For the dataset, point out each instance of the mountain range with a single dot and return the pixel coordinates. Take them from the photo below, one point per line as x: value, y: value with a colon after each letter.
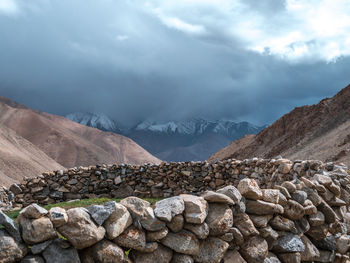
x: 320, y: 131
x: 32, y: 142
x: 188, y: 140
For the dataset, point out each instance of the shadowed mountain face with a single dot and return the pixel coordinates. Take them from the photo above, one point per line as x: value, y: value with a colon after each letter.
x: 320, y: 131
x: 68, y: 143
x: 188, y: 140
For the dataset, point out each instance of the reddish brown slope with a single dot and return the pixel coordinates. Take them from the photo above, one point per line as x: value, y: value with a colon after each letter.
x: 319, y: 131
x: 67, y: 142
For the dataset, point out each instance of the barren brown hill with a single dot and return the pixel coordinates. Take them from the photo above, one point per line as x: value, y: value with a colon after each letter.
x: 19, y: 157
x: 68, y: 143
x: 320, y: 131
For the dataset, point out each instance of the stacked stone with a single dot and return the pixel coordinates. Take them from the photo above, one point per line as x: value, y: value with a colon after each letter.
x: 6, y: 198
x: 306, y: 219
x: 164, y: 180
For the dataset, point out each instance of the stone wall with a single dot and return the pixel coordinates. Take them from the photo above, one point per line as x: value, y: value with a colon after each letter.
x: 164, y: 180
x: 304, y: 219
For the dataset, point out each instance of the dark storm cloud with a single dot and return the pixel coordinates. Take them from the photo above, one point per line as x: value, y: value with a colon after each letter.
x: 165, y: 60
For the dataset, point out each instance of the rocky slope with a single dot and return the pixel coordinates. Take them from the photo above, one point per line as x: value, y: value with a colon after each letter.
x: 68, y: 143
x: 320, y: 131
x: 192, y: 139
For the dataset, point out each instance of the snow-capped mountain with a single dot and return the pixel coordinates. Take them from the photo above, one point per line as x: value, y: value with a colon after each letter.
x: 99, y: 121
x: 192, y: 139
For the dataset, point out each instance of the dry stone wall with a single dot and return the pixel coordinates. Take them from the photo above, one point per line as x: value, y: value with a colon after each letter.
x: 304, y: 219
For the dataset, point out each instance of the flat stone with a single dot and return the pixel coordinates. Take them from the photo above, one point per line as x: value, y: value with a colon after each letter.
x: 11, y: 250
x: 211, y: 250
x: 33, y: 211
x: 167, y: 208
x: 183, y: 242
x: 260, y: 221
x: 55, y: 253
x: 176, y: 223
x: 249, y: 189
x: 200, y: 230
x: 289, y: 243
x: 283, y: 224
x: 244, y: 224
x: 80, y: 230
x: 132, y: 237
x: 263, y: 208
x: 255, y: 249
x: 219, y: 219
x: 232, y: 192
x: 10, y: 226
x: 329, y: 215
x: 118, y: 220
x: 58, y: 216
x: 196, y: 208
x: 161, y: 255
x: 213, y: 197
x: 156, y: 235
x: 142, y: 212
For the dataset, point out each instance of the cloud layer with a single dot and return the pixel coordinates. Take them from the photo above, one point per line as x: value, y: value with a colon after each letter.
x: 168, y: 60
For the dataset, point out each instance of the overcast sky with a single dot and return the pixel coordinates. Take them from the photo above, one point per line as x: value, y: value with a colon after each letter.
x: 248, y: 60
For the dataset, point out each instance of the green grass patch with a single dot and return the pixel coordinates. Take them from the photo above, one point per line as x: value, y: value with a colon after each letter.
x: 81, y: 203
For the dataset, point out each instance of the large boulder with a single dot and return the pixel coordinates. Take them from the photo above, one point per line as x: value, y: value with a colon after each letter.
x: 183, y: 242
x: 101, y: 212
x: 118, y: 220
x: 213, y: 197
x: 254, y: 250
x: 33, y: 211
x: 10, y: 226
x: 142, y: 212
x: 80, y: 230
x: 289, y: 243
x: 60, y: 251
x: 249, y: 189
x: 211, y: 250
x: 167, y: 208
x: 219, y: 219
x: 196, y: 208
x: 231, y: 192
x: 10, y: 249
x: 160, y: 255
x: 58, y: 216
x: 132, y: 237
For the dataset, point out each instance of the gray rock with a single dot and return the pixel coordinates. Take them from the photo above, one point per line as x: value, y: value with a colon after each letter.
x: 293, y: 210
x: 10, y: 249
x: 118, y: 220
x: 244, y: 224
x: 55, y: 253
x: 38, y: 248
x: 289, y: 243
x: 271, y: 258
x: 181, y: 258
x: 33, y: 211
x: 213, y: 197
x: 58, y: 216
x: 219, y: 219
x: 299, y: 196
x: 200, y: 230
x: 32, y: 259
x: 10, y: 226
x: 100, y: 213
x: 176, y: 223
x: 132, y: 237
x: 80, y: 230
x: 211, y: 250
x: 310, y: 253
x: 283, y: 224
x: 156, y: 235
x: 254, y: 250
x: 183, y: 242
x: 142, y: 212
x: 233, y: 256
x: 160, y: 255
x: 231, y: 192
x: 167, y: 208
x: 260, y: 221
x: 329, y: 215
x: 107, y: 251
x: 196, y: 208
x: 327, y: 243
x: 316, y: 219
x: 263, y: 208
x: 16, y: 189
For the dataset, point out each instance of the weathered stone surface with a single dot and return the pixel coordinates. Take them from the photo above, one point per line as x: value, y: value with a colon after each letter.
x: 211, y: 250
x: 233, y: 256
x: 161, y: 255
x: 290, y: 257
x: 289, y: 243
x: 167, y: 208
x: 293, y: 210
x: 317, y: 219
x: 254, y: 250
x: 343, y: 244
x: 36, y: 230
x: 244, y: 224
x: 10, y: 249
x: 299, y: 196
x: 271, y: 195
x: 318, y: 232
x: 289, y: 186
x: 271, y: 258
x: 38, y: 248
x: 181, y: 258
x: 100, y: 213
x: 33, y: 211
x: 263, y: 208
x: 80, y: 230
x: 285, y: 166
x: 59, y: 253
x: 283, y: 224
x: 32, y: 259
x: 310, y: 253
x: 196, y: 209
x: 260, y: 221
x: 156, y: 235
x: 107, y: 251
x: 142, y: 212
x: 329, y: 215
x: 213, y: 197
x: 231, y: 192
x: 237, y: 235
x: 326, y: 243
x: 200, y: 230
x: 176, y: 223
x: 249, y: 189
x: 326, y: 256
x: 132, y: 237
x: 58, y: 216
x: 10, y: 226
x: 183, y: 242
x: 118, y: 220
x: 219, y: 219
